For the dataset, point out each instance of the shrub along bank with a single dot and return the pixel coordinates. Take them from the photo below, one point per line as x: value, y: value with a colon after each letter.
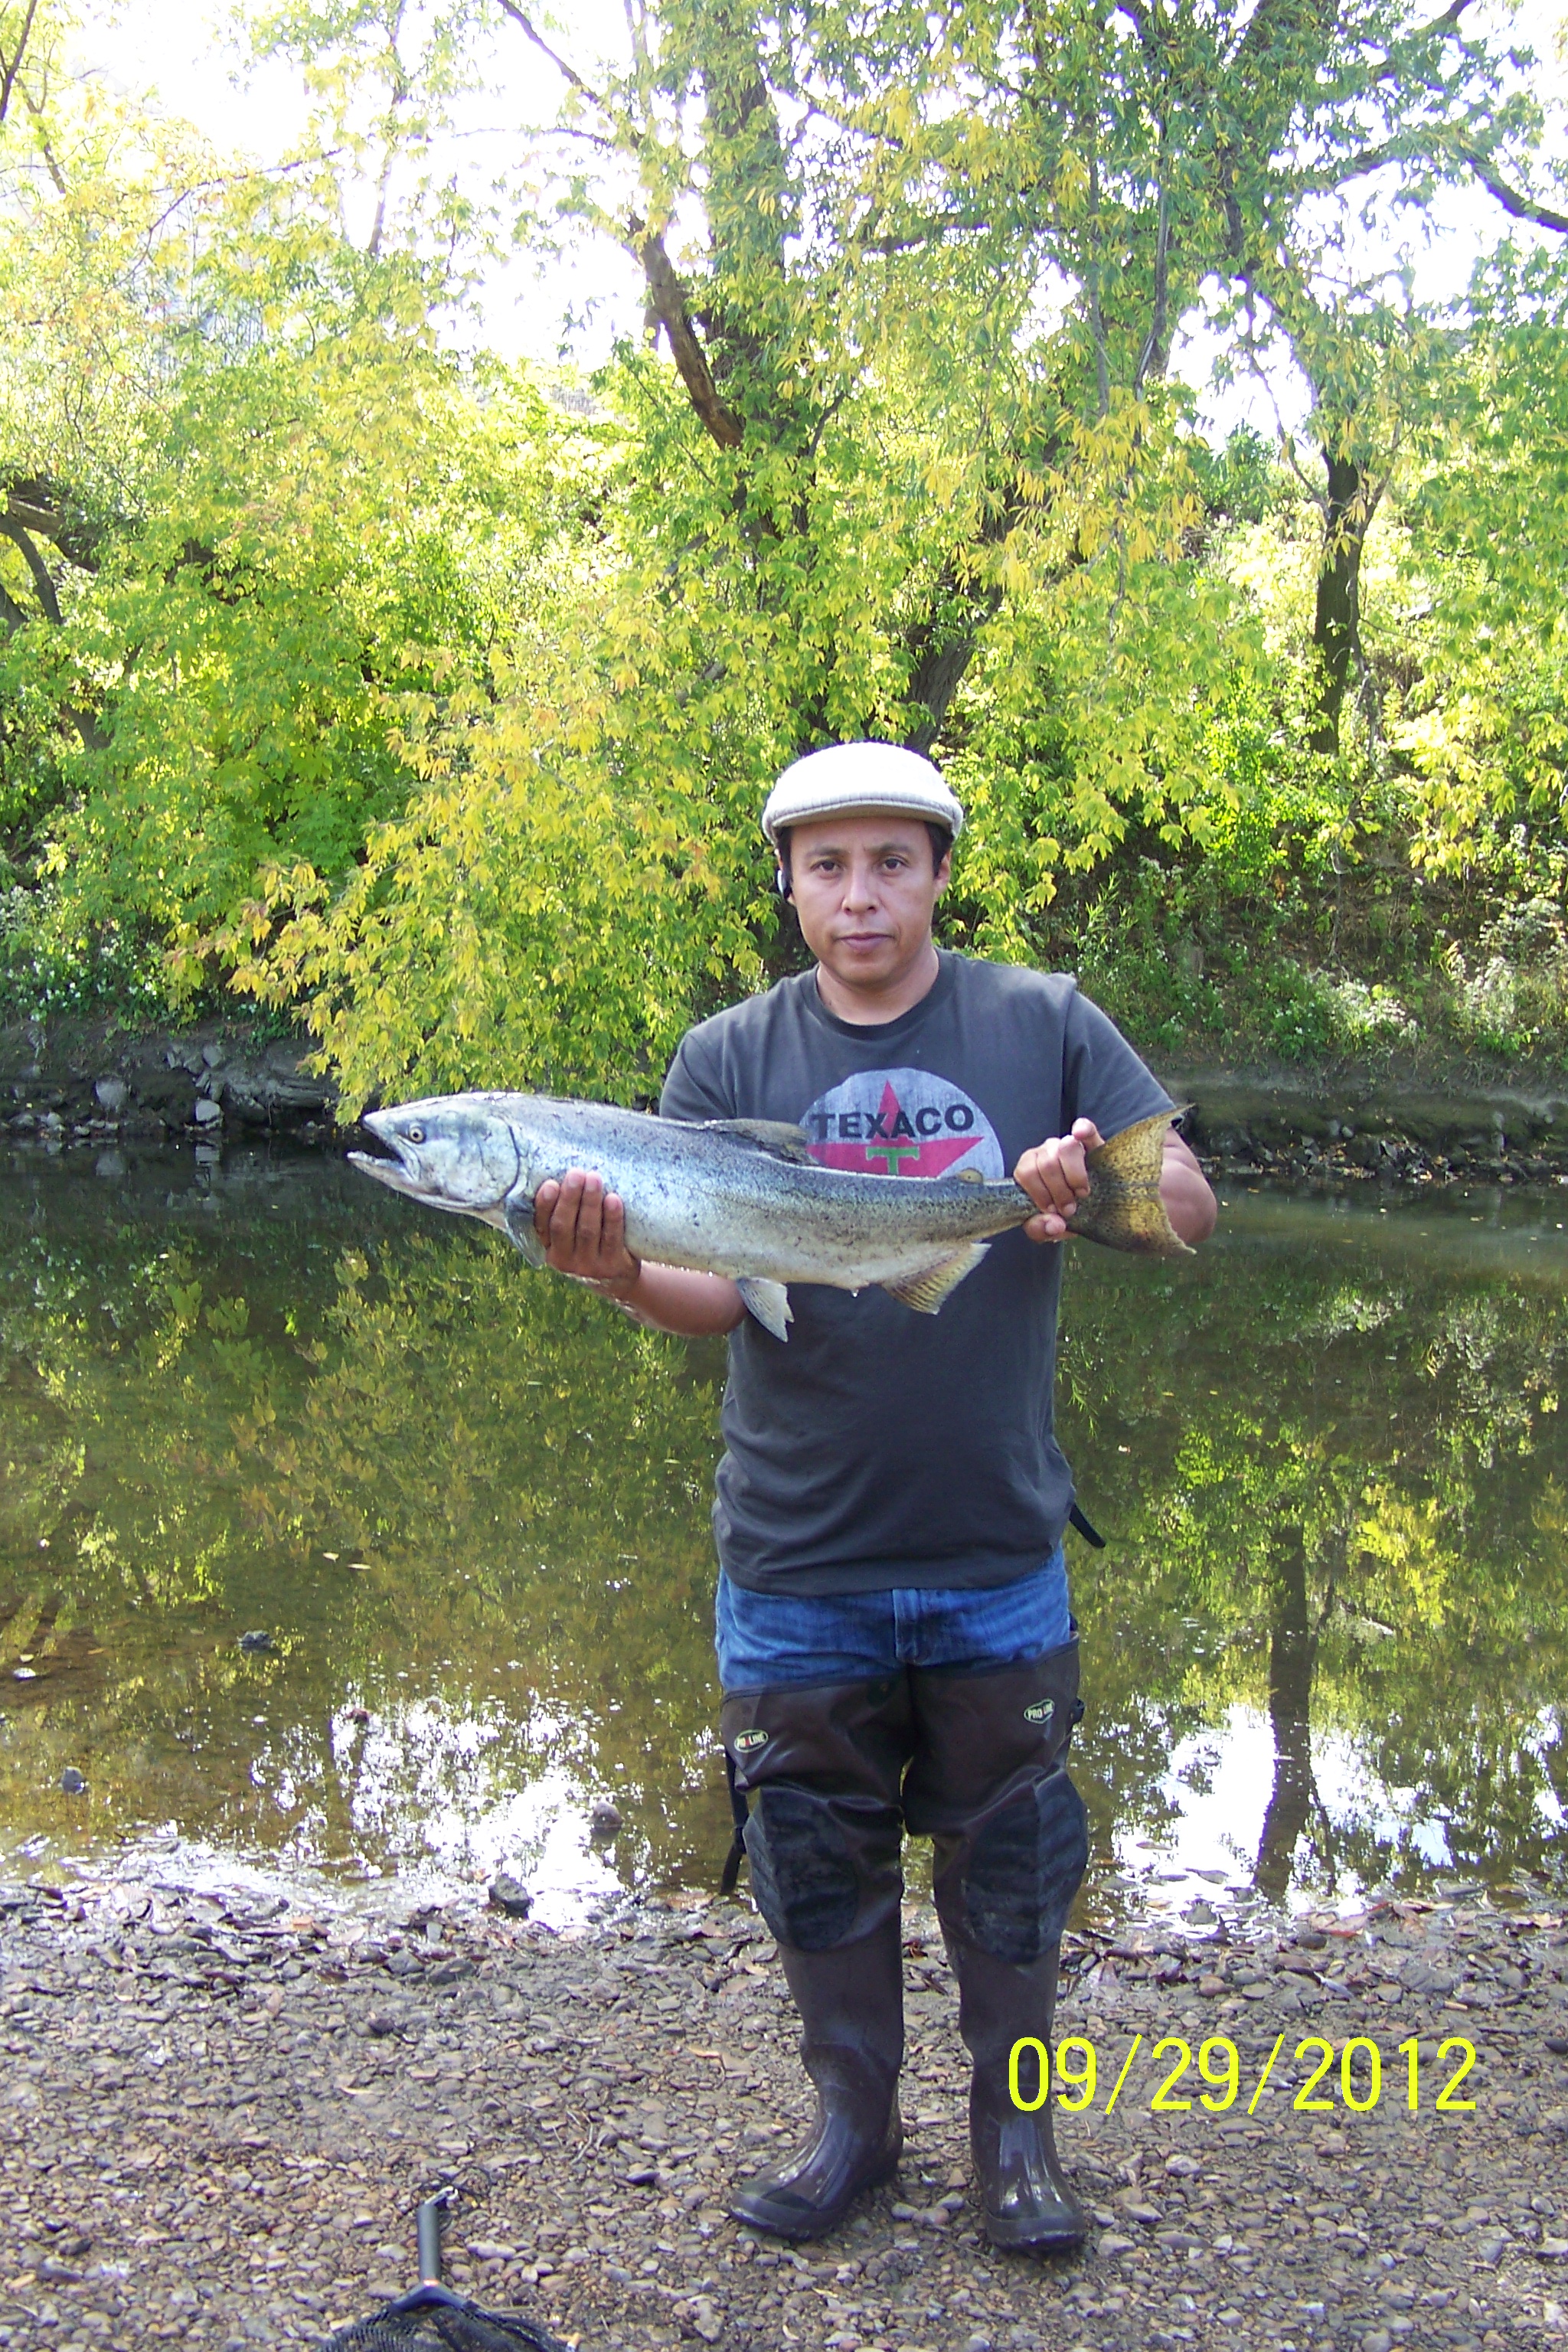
x: 427, y: 700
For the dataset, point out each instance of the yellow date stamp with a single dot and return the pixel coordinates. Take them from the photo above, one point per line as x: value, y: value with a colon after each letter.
x: 1357, y: 2078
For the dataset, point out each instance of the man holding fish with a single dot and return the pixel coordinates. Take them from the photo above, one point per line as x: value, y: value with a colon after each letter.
x: 894, y: 1637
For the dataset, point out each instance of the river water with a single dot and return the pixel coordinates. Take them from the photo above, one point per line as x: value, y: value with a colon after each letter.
x: 1325, y: 1649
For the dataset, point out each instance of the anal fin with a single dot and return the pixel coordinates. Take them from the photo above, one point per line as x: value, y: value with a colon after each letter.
x: 926, y: 1289
x: 768, y: 1301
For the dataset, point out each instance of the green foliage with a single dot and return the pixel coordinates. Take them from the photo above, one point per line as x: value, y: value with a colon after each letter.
x: 384, y: 687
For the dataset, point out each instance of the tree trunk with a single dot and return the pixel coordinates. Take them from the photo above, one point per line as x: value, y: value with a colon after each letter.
x: 1336, y: 626
x: 1292, y: 1654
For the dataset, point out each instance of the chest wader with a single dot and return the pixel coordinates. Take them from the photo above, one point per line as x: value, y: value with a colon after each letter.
x: 825, y: 1766
x: 989, y: 1786
x: 824, y: 1762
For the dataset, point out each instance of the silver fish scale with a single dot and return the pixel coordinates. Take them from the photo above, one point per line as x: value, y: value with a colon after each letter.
x: 716, y: 1199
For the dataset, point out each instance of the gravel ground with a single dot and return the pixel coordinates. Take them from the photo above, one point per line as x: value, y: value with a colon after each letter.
x: 217, y: 2116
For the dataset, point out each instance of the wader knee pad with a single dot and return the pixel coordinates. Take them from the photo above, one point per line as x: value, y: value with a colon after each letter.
x: 1018, y: 1875
x: 821, y: 1763
x: 824, y: 1869
x: 991, y: 1787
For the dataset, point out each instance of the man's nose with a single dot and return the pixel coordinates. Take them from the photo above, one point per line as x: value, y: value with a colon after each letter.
x: 860, y: 887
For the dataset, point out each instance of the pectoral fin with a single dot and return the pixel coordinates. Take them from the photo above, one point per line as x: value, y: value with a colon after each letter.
x: 926, y: 1290
x: 769, y: 1302
x: 519, y: 1215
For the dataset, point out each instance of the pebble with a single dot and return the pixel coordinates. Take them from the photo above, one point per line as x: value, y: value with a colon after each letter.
x: 256, y: 1645
x: 217, y: 2116
x: 510, y: 1895
x: 72, y: 1781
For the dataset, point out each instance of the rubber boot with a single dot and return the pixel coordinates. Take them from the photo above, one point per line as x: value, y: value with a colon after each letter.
x: 1010, y: 1832
x: 1024, y: 2193
x: 852, y: 2043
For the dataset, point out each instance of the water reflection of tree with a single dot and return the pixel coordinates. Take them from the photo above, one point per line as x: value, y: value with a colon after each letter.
x: 195, y: 1410
x: 1293, y: 1800
x: 195, y: 1418
x: 1350, y: 1485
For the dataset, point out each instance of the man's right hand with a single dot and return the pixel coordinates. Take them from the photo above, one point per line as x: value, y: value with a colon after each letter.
x: 582, y: 1229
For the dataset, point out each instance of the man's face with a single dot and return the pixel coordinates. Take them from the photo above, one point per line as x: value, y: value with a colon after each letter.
x: 865, y: 892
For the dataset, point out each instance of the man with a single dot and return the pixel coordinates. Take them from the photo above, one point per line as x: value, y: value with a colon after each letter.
x: 894, y: 1638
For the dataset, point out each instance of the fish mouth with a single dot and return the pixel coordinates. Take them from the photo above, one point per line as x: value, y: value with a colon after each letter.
x: 396, y: 1164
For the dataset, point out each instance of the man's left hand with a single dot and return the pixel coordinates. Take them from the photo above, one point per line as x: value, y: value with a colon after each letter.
x: 1056, y: 1174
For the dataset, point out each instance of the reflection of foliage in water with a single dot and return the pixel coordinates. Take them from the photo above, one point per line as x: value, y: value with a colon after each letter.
x: 195, y: 1420
x: 1343, y: 1492
x: 1293, y: 1452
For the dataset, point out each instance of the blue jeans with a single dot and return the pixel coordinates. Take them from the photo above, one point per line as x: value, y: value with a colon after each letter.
x: 768, y: 1639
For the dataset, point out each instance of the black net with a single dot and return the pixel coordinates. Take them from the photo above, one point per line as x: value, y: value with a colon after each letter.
x: 442, y: 2326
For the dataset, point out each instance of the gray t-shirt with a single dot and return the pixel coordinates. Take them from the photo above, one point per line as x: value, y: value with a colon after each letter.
x: 880, y: 1446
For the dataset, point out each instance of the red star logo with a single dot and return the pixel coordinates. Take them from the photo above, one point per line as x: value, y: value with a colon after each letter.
x: 892, y: 1147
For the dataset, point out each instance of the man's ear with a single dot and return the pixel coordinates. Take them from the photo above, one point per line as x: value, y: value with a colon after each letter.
x: 944, y: 873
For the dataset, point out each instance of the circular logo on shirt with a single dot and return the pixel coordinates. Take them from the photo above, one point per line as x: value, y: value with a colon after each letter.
x: 901, y: 1123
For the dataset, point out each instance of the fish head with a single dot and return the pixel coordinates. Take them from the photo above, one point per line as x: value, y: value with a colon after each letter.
x: 452, y: 1151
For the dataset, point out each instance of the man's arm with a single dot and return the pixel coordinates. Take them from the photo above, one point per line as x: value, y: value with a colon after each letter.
x: 583, y: 1231
x: 1056, y: 1174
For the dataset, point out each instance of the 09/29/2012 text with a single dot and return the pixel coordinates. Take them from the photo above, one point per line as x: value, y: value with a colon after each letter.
x: 1356, y: 2081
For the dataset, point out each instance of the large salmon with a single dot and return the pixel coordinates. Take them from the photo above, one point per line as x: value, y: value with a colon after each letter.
x: 744, y: 1197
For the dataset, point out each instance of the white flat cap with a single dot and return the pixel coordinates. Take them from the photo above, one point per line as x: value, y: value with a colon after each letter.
x: 845, y: 778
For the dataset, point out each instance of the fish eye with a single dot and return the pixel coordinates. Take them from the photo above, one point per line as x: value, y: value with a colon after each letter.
x: 415, y: 1134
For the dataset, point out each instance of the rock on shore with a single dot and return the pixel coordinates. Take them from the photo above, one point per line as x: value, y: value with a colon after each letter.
x: 1352, y: 1124
x: 73, y: 1080
x: 86, y: 1082
x: 218, y: 2114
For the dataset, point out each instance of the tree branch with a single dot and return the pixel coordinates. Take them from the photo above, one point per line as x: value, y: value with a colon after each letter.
x: 11, y: 67
x: 1153, y: 354
x: 1096, y: 313
x: 38, y: 567
x: 35, y: 505
x: 667, y: 300
x: 941, y: 646
x: 11, y: 612
x: 568, y: 73
x: 1523, y: 208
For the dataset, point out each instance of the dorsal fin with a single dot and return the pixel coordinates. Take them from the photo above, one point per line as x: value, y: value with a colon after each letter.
x: 776, y: 1137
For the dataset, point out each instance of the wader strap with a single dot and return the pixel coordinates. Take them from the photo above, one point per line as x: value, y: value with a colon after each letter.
x: 737, y: 1854
x: 1091, y: 1535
